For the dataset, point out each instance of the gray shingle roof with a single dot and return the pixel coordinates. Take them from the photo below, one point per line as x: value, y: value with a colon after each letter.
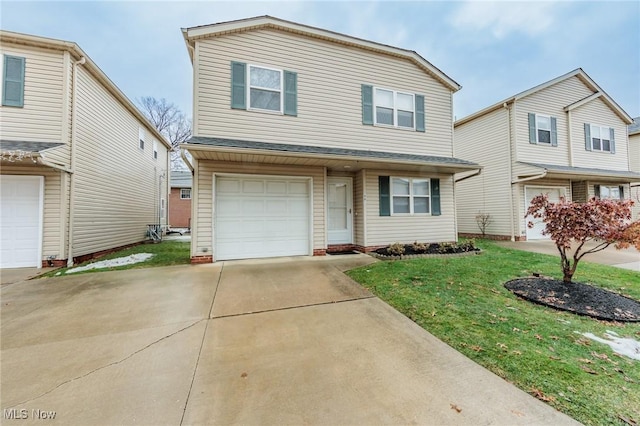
x: 181, y: 179
x: 27, y: 146
x: 587, y: 171
x: 340, y: 152
x: 635, y: 127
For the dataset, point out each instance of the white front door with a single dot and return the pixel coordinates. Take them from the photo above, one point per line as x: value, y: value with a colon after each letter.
x: 340, y: 210
x: 554, y: 194
x: 21, y: 208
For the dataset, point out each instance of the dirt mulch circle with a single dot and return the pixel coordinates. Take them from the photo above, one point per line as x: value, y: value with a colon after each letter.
x: 578, y: 298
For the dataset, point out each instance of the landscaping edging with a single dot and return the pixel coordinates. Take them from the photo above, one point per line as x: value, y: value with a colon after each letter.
x: 424, y: 255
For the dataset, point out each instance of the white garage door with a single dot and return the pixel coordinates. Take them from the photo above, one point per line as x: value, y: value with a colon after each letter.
x: 554, y: 194
x: 20, y: 221
x: 261, y: 217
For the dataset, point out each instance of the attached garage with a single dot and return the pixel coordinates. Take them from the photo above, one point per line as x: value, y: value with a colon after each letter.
x: 261, y: 216
x: 21, y: 212
x: 531, y: 192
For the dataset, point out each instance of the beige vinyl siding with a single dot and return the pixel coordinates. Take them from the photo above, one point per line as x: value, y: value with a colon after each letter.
x: 486, y: 142
x: 116, y: 183
x: 359, y: 208
x: 598, y: 113
x: 523, y: 203
x: 383, y: 230
x: 634, y: 162
x: 202, y: 238
x: 41, y: 117
x: 330, y: 76
x: 53, y: 240
x: 549, y: 101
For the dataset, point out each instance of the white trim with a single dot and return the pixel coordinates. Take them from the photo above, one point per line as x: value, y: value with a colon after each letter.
x: 394, y: 108
x: 410, y: 195
x: 538, y: 128
x: 141, y: 138
x: 591, y: 137
x: 350, y: 215
x: 249, y: 86
x: 185, y: 189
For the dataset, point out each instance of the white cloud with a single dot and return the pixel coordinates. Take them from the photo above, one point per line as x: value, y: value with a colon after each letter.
x: 504, y: 18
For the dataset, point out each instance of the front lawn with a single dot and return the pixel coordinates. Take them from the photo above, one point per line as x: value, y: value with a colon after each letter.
x: 165, y: 253
x: 463, y: 302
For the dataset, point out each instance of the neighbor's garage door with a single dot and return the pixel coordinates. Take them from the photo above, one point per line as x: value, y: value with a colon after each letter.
x: 20, y: 221
x: 554, y: 194
x: 261, y: 217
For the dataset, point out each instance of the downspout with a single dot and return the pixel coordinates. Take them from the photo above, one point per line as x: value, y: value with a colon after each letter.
x: 511, y: 160
x: 72, y: 162
x: 570, y: 142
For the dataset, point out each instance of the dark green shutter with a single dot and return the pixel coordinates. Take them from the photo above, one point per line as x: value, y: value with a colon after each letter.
x: 238, y: 85
x: 587, y: 136
x: 596, y: 191
x: 532, y: 128
x: 554, y: 132
x: 420, y: 117
x: 613, y: 142
x: 290, y: 93
x: 367, y: 105
x: 621, y: 187
x: 385, y: 196
x: 435, y: 197
x: 13, y: 81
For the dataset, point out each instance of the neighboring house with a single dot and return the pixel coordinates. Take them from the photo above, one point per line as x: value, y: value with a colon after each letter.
x: 634, y: 162
x: 82, y: 170
x: 308, y: 141
x: 180, y: 199
x: 566, y: 138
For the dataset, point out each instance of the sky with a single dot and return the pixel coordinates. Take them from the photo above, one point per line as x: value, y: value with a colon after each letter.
x: 493, y: 49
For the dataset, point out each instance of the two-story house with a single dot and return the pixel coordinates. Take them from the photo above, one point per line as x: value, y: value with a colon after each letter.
x: 566, y: 138
x: 307, y: 141
x: 82, y: 171
x: 634, y: 161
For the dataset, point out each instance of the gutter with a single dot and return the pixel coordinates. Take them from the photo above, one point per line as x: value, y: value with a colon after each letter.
x: 540, y: 176
x: 476, y: 173
x: 44, y: 162
x: 186, y: 160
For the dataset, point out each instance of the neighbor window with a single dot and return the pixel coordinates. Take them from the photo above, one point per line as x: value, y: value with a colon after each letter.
x: 155, y: 150
x: 394, y: 108
x: 141, y: 138
x: 409, y: 196
x: 185, y: 193
x: 600, y: 138
x: 13, y: 81
x: 543, y: 129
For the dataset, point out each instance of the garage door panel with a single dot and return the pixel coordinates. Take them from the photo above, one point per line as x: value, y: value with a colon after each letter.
x: 554, y: 195
x: 261, y: 217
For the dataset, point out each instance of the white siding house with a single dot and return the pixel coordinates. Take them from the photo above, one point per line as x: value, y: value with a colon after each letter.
x: 566, y: 138
x: 75, y: 181
x: 307, y: 141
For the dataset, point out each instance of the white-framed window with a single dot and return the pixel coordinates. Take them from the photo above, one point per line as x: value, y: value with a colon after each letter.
x: 141, y: 134
x: 410, y: 196
x: 600, y: 138
x: 609, y: 192
x: 162, y: 208
x: 185, y: 193
x: 265, y: 89
x: 543, y: 128
x: 155, y: 150
x: 393, y: 108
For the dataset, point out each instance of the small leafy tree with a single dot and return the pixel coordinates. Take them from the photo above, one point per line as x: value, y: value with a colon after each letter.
x: 572, y: 225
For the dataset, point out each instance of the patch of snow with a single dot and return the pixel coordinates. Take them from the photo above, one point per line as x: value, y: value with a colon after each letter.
x: 621, y: 345
x: 127, y: 260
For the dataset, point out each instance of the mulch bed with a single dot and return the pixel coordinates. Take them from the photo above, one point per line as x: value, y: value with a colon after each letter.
x: 433, y: 248
x: 578, y: 298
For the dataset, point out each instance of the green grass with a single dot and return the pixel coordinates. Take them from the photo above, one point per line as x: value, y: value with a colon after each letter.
x: 463, y: 302
x: 166, y: 253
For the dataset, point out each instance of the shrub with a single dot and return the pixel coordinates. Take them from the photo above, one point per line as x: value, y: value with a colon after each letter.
x: 396, y: 249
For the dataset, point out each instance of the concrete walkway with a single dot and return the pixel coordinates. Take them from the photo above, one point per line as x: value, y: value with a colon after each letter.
x: 627, y: 258
x: 283, y: 341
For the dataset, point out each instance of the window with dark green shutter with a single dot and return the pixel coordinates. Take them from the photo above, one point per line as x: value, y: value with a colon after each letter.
x: 238, y: 85
x: 386, y: 107
x: 543, y: 129
x: 367, y: 104
x: 408, y: 196
x: 599, y: 138
x: 290, y: 93
x: 13, y: 81
x: 259, y: 88
x: 384, y: 197
x: 420, y: 114
x: 435, y: 197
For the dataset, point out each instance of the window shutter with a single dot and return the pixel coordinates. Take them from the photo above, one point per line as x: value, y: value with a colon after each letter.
x: 587, y: 136
x: 238, y: 85
x: 613, y: 142
x: 532, y: 128
x: 367, y: 105
x: 621, y: 192
x: 435, y: 197
x: 385, y: 198
x: 554, y: 132
x: 596, y: 191
x: 420, y: 117
x: 290, y: 93
x: 13, y: 81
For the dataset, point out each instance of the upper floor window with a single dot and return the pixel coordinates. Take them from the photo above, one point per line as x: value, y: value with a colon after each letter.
x: 543, y: 129
x: 394, y: 108
x: 141, y: 135
x: 264, y: 89
x: 185, y: 193
x: 155, y: 150
x: 599, y: 138
x: 13, y: 81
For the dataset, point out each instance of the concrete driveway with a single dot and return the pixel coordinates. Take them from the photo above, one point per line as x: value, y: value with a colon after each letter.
x: 284, y: 341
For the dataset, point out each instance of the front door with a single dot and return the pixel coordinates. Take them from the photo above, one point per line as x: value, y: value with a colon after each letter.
x: 340, y: 210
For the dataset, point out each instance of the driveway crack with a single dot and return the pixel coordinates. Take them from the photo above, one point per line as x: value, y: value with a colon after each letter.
x: 108, y: 365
